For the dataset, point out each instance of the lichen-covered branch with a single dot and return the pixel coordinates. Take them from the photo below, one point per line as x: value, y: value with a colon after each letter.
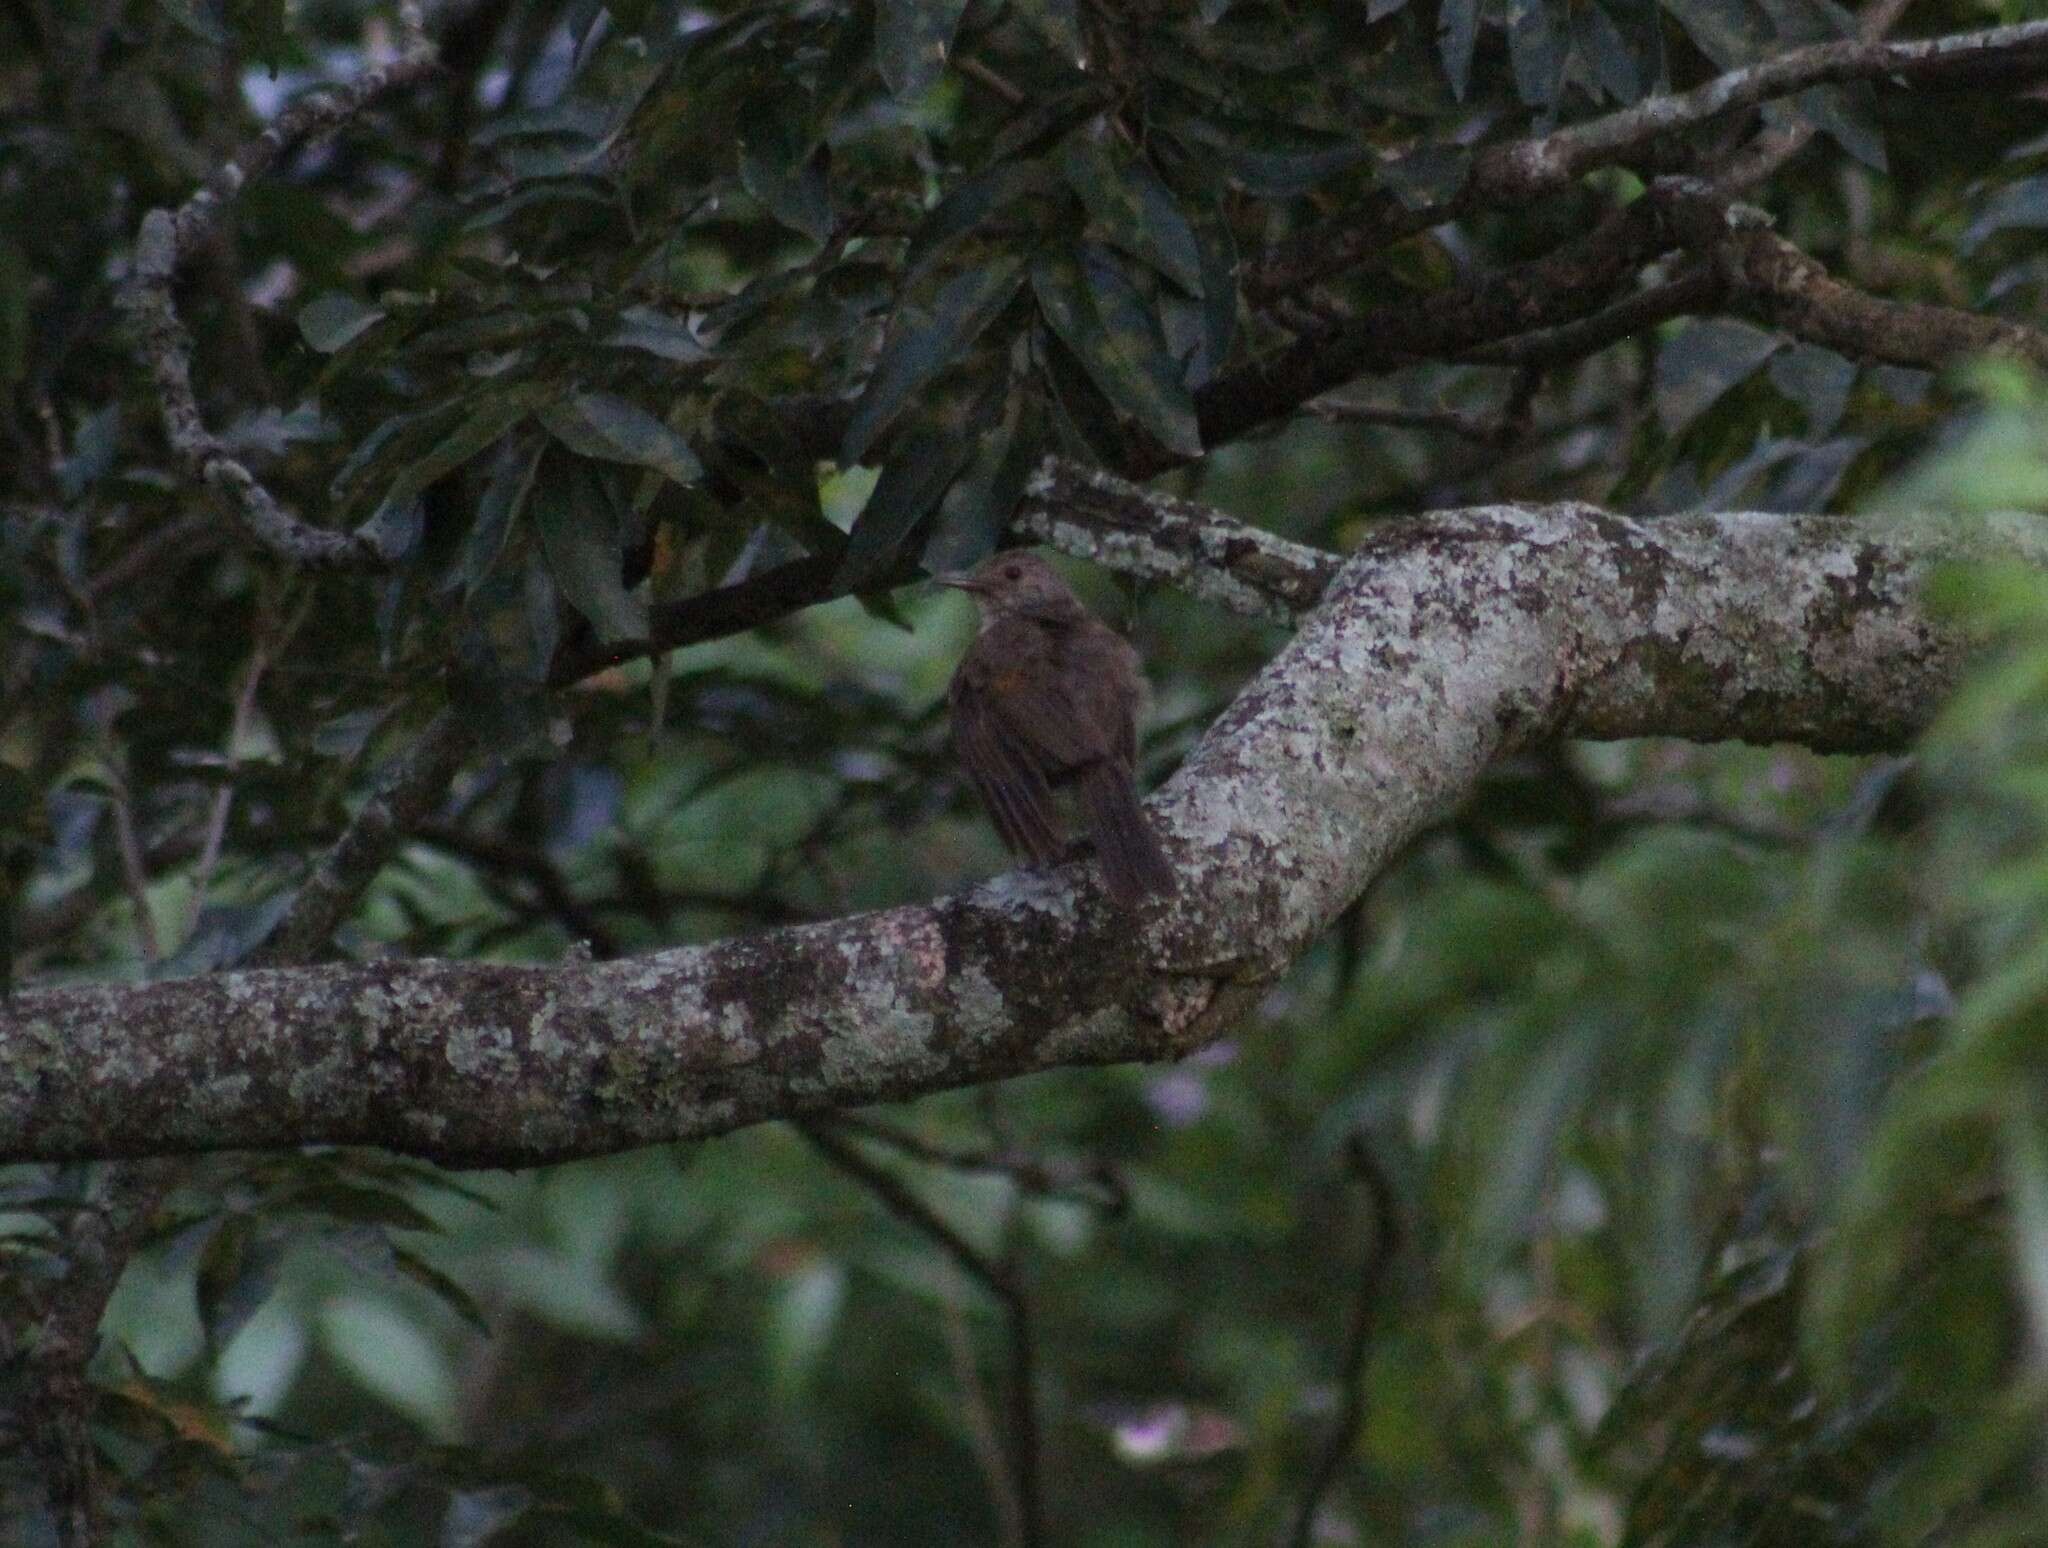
x: 1527, y: 168
x: 1440, y: 644
x: 1513, y: 172
x: 167, y: 241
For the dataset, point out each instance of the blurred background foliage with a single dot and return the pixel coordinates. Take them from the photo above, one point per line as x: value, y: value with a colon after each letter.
x: 1676, y: 1113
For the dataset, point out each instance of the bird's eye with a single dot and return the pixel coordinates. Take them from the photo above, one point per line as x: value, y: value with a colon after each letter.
x: 1014, y: 572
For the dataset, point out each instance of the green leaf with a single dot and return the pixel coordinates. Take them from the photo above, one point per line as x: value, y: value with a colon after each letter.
x: 503, y: 498
x: 802, y: 1317
x: 780, y: 166
x: 1134, y: 208
x: 482, y: 430
x: 1058, y: 22
x: 1729, y: 32
x: 1538, y: 47
x: 912, y: 38
x: 1457, y: 35
x: 1703, y: 361
x: 969, y: 205
x: 237, y: 1273
x: 921, y: 345
x: 1270, y: 160
x: 978, y: 506
x: 582, y: 534
x: 260, y: 27
x: 923, y: 462
x: 475, y: 1516
x: 329, y: 322
x: 608, y: 427
x: 657, y: 333
x: 1106, y: 322
x: 510, y: 629
x: 352, y: 1201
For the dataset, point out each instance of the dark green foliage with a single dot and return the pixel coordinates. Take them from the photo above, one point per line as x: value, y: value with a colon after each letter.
x: 1708, y: 1083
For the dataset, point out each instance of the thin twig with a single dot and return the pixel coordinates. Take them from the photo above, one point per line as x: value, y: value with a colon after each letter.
x: 413, y: 785
x: 981, y: 1425
x: 1093, y: 1182
x: 169, y: 239
x: 1379, y: 1257
x: 134, y: 870
x: 550, y: 886
x: 1000, y: 1280
x: 267, y: 650
x: 1691, y: 291
x: 975, y: 70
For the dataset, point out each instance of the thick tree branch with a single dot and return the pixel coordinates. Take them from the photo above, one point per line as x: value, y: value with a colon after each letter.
x: 1441, y: 644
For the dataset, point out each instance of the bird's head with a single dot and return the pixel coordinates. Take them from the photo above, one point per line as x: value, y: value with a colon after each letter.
x: 1017, y: 583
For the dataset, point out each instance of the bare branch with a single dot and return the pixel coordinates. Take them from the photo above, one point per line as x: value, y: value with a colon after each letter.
x: 1529, y: 168
x: 1380, y: 1251
x: 1000, y: 1280
x: 169, y: 239
x: 1517, y: 171
x: 1766, y: 276
x: 1694, y: 290
x: 411, y: 789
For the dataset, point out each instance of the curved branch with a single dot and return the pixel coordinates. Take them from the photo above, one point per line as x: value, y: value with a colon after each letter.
x: 167, y: 241
x: 1440, y: 644
x: 1516, y: 171
x: 1528, y: 168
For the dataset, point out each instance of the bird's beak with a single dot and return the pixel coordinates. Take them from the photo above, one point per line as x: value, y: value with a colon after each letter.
x: 961, y: 581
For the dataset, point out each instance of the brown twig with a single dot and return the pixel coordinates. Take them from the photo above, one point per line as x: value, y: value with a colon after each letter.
x: 267, y: 650
x: 410, y: 789
x: 999, y: 1279
x: 550, y: 886
x: 1693, y: 290
x: 1516, y: 171
x: 134, y: 870
x: 1093, y: 1182
x: 1380, y: 1252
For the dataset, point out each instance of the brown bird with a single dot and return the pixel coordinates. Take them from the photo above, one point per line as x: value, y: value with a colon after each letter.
x: 1047, y: 698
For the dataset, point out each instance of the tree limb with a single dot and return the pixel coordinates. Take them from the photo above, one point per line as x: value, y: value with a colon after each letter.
x: 1440, y: 644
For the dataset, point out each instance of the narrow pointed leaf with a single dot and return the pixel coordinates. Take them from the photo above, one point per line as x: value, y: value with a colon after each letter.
x: 1135, y: 210
x: 920, y: 467
x: 920, y: 346
x: 583, y: 538
x: 608, y: 427
x: 329, y: 322
x: 1105, y: 321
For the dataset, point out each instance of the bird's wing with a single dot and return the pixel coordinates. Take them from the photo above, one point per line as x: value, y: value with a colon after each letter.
x: 1010, y: 780
x: 1051, y: 695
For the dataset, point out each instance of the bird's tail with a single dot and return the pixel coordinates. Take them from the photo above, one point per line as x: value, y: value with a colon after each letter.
x: 1132, y: 862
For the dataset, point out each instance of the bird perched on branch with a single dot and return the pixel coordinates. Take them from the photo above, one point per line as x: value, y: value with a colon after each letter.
x: 1046, y: 699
